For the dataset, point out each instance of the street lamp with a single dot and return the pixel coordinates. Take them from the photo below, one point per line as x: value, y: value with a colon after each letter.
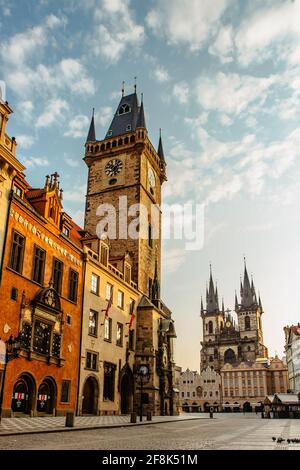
x: 143, y: 374
x: 11, y: 349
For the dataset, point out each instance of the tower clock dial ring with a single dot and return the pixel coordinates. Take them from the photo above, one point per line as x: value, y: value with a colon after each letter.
x: 113, y: 167
x: 151, y: 178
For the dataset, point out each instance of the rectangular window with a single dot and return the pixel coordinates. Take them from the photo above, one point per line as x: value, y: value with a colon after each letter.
x: 41, y: 338
x: 66, y: 231
x: 108, y: 291
x: 91, y: 361
x: 109, y: 381
x: 17, y: 252
x: 188, y: 394
x: 57, y: 274
x: 104, y: 255
x: 95, y: 281
x: 18, y: 191
x: 131, y: 340
x: 182, y: 394
x: 93, y: 320
x: 119, y: 334
x: 120, y: 299
x: 107, y: 329
x: 65, y: 391
x: 131, y: 306
x: 39, y: 257
x: 73, y: 285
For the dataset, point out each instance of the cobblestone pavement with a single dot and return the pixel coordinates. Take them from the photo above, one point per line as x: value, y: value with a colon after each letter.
x: 21, y: 425
x: 225, y: 432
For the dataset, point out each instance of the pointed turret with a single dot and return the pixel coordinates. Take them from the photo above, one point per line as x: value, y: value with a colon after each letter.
x: 212, y: 303
x: 236, y: 304
x: 160, y: 150
x: 155, y: 286
x: 259, y: 303
x: 202, y: 309
x: 141, y: 121
x: 92, y: 133
x: 248, y: 295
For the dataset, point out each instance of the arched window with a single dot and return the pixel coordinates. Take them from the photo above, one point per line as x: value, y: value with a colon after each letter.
x: 210, y: 327
x: 229, y: 356
x: 247, y: 323
x: 125, y: 108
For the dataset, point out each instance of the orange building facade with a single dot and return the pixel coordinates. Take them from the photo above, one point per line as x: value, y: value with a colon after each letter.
x: 41, y: 301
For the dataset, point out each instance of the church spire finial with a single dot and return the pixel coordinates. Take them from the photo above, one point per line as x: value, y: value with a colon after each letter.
x: 92, y: 132
x: 160, y: 150
x: 123, y: 88
x: 135, y: 84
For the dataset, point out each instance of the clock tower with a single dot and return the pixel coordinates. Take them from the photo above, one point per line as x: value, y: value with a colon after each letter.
x: 125, y: 176
x: 126, y: 172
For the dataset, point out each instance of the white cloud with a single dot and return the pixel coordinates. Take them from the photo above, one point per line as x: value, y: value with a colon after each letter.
x: 173, y: 258
x: 161, y: 74
x: 258, y: 35
x: 225, y: 120
x: 53, y: 112
x: 25, y: 108
x: 20, y: 47
x: 115, y: 30
x: 68, y: 74
x: 77, y: 195
x: 232, y: 93
x: 78, y: 126
x: 25, y: 141
x: 104, y: 115
x: 31, y: 162
x: 181, y: 92
x: 223, y: 46
x: 187, y: 22
x: 71, y: 161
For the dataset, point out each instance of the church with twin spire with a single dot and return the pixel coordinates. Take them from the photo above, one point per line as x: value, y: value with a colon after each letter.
x: 227, y: 339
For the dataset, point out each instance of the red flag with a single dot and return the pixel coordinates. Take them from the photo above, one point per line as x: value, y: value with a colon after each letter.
x: 109, y: 303
x: 132, y: 304
x: 131, y: 321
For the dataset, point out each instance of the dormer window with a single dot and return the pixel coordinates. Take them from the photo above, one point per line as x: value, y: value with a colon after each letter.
x: 18, y: 191
x: 124, y: 108
x: 66, y: 231
x: 109, y: 134
x: 128, y: 128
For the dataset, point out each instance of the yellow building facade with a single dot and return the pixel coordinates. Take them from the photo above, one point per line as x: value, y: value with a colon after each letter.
x: 107, y: 384
x: 9, y: 168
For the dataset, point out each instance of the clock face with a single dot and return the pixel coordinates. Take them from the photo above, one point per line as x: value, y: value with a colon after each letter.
x: 228, y: 324
x: 113, y: 167
x: 143, y: 370
x: 151, y: 178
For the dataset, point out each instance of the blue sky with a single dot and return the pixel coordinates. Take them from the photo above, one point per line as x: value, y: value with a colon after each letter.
x: 221, y: 78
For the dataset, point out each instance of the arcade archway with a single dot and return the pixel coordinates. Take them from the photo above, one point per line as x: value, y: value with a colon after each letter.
x: 24, y: 391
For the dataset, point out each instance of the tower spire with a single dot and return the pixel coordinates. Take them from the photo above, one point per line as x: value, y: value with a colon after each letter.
x: 212, y: 303
x: 248, y: 295
x: 123, y: 88
x: 92, y: 133
x: 160, y: 150
x: 141, y: 121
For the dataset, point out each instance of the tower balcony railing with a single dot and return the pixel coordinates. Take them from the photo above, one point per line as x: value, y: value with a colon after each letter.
x: 108, y: 144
